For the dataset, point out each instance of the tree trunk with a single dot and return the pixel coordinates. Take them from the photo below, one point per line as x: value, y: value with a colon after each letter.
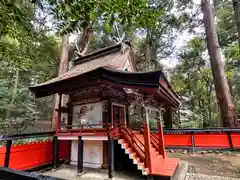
x: 82, y: 47
x: 236, y: 8
x: 63, y: 66
x: 83, y: 43
x: 148, y: 55
x: 223, y: 94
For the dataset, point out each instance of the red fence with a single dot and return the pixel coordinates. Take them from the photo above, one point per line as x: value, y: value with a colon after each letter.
x: 32, y: 155
x: 203, y: 138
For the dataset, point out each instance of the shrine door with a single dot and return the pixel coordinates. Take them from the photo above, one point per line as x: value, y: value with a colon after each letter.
x: 118, y: 114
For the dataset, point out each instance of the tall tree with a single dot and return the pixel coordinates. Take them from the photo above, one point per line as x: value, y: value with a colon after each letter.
x: 63, y: 67
x: 223, y: 94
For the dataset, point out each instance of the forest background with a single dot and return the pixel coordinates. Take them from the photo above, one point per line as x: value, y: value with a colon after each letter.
x: 165, y: 34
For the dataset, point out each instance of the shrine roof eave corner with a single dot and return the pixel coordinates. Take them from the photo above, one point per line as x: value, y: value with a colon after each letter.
x: 173, y: 98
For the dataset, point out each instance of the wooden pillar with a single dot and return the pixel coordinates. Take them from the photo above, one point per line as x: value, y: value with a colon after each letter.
x: 147, y: 141
x: 110, y: 142
x: 8, y: 153
x: 179, y: 118
x: 55, y: 152
x: 167, y: 117
x: 58, y: 119
x: 69, y: 149
x: 109, y: 112
x: 127, y: 114
x: 69, y: 122
x: 105, y: 154
x: 106, y: 120
x: 80, y: 155
x: 110, y: 157
x: 230, y: 140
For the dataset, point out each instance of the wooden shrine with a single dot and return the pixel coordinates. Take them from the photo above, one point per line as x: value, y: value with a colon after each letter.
x: 99, y: 88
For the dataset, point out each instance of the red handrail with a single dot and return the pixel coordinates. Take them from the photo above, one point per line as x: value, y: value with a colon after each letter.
x: 134, y: 141
x: 154, y: 141
x: 157, y: 142
x: 147, y: 145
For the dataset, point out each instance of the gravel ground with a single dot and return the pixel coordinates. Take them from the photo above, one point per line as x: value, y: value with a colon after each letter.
x: 226, y: 165
x: 193, y: 176
x: 70, y: 172
x: 191, y: 168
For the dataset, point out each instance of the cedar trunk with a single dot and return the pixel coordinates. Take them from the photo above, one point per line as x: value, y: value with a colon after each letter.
x: 63, y: 66
x: 223, y: 94
x: 85, y: 39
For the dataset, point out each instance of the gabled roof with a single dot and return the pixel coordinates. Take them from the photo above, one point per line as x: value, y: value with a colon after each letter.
x: 102, y: 52
x: 107, y: 65
x: 113, y: 57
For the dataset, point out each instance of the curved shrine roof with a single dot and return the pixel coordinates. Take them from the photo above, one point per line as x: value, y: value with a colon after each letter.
x: 107, y: 65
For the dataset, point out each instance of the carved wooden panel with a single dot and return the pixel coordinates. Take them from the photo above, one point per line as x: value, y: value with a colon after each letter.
x: 112, y: 93
x: 87, y: 93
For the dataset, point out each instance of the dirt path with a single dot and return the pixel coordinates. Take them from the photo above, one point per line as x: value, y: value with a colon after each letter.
x: 212, y: 164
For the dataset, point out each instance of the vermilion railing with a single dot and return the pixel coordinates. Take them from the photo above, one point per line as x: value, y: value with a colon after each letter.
x: 30, y: 155
x: 91, y: 129
x: 199, y: 139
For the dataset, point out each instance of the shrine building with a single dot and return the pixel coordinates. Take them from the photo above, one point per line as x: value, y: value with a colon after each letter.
x: 93, y: 115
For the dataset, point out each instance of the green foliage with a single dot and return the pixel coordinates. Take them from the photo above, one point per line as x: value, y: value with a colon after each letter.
x: 159, y: 38
x: 227, y: 31
x: 14, y: 15
x: 192, y: 79
x: 29, y: 51
x: 79, y: 14
x: 28, y: 56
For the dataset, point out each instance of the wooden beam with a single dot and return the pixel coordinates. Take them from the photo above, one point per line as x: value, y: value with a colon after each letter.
x: 80, y: 155
x: 55, y: 152
x: 8, y: 153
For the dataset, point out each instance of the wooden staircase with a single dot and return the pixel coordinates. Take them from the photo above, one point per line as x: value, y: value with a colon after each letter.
x: 133, y: 155
x: 133, y: 144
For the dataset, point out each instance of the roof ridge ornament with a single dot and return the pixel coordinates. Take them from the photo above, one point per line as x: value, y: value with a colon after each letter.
x: 118, y: 38
x: 124, y: 47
